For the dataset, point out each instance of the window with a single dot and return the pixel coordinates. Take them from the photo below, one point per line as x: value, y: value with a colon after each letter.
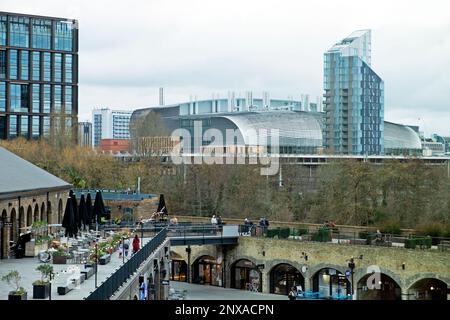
x: 47, y: 66
x: 41, y: 33
x: 19, y: 97
x: 24, y: 65
x: 36, y: 98
x: 57, y: 67
x: 35, y: 127
x: 2, y: 96
x: 47, y: 98
x: 63, y: 35
x: 12, y: 126
x: 68, y: 68
x: 13, y: 64
x: 3, y: 28
x: 36, y: 65
x: 2, y: 64
x: 46, y: 127
x: 18, y: 28
x: 2, y: 127
x: 24, y: 126
x: 57, y: 98
x: 68, y: 99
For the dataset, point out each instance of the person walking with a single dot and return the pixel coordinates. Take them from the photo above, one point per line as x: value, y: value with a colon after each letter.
x: 293, y: 294
x: 126, y: 247
x: 136, y: 244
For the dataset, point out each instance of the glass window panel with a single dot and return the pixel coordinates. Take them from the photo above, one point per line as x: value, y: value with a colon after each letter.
x: 58, y: 67
x: 12, y: 126
x: 42, y: 30
x: 13, y: 64
x: 3, y: 28
x: 46, y: 126
x: 47, y: 98
x: 35, y: 127
x: 2, y: 96
x: 36, y: 98
x: 2, y: 64
x: 36, y: 66
x: 24, y: 126
x: 2, y: 127
x: 68, y: 68
x: 18, y: 28
x: 47, y: 66
x: 63, y: 35
x: 25, y: 65
x: 68, y: 100
x: 57, y: 99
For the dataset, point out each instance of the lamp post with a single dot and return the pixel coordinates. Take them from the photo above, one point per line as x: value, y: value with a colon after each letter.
x: 96, y: 262
x: 351, y: 265
x: 142, y: 233
x: 123, y: 250
x: 50, y: 286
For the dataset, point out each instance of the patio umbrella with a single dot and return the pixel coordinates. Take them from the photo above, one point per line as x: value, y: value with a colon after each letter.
x: 162, y: 205
x: 75, y: 210
x: 89, y: 218
x: 82, y: 211
x: 68, y: 221
x: 99, y: 207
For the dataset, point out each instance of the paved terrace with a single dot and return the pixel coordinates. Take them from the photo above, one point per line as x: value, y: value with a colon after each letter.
x: 27, y: 269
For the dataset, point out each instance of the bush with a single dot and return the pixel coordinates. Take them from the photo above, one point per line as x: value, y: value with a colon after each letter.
x: 430, y: 229
x: 13, y: 278
x: 322, y: 235
x: 271, y: 233
x: 410, y: 243
x: 283, y: 233
x: 302, y: 231
x: 391, y: 227
x: 46, y: 271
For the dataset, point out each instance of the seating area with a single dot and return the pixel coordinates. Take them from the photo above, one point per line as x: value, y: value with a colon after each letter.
x: 105, y: 259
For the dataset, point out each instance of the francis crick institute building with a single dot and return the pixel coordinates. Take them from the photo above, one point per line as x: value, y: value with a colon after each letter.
x: 352, y: 122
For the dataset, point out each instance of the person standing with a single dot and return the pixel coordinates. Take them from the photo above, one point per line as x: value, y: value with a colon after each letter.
x: 126, y: 247
x: 213, y: 220
x: 293, y: 294
x: 136, y: 244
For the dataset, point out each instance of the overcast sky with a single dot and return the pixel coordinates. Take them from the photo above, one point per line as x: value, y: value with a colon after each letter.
x: 128, y: 49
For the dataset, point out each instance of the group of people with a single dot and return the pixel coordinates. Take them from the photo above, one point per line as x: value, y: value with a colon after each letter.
x: 295, y: 292
x: 125, y: 246
x: 216, y: 221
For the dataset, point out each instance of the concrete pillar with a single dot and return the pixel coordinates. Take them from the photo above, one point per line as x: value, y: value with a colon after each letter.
x: 266, y: 281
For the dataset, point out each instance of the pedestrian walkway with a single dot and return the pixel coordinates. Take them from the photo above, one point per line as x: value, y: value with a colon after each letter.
x: 27, y: 269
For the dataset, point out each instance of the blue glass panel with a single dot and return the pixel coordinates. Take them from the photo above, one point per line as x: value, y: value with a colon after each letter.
x: 63, y: 35
x: 47, y: 66
x: 47, y: 98
x: 25, y: 65
x: 13, y: 64
x: 35, y: 127
x: 42, y: 30
x: 2, y: 96
x: 24, y: 126
x: 3, y: 28
x: 36, y: 98
x: 58, y: 67
x: 13, y: 126
x: 2, y: 64
x: 18, y: 32
x: 36, y: 66
x: 57, y: 98
x: 68, y: 68
x: 68, y: 100
x: 46, y: 126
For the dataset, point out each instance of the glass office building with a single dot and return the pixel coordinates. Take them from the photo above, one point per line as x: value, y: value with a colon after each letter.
x: 354, y: 98
x: 38, y: 76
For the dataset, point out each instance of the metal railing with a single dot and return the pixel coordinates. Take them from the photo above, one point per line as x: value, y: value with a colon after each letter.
x: 116, y: 195
x: 113, y: 283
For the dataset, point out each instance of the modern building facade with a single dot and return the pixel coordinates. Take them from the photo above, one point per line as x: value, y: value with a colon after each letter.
x: 110, y: 124
x: 354, y: 98
x: 85, y: 134
x: 300, y: 132
x: 38, y: 76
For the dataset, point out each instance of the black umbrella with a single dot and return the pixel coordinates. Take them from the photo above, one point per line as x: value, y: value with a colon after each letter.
x: 69, y: 220
x: 162, y: 205
x: 99, y: 207
x: 75, y: 210
x: 89, y: 218
x: 82, y: 211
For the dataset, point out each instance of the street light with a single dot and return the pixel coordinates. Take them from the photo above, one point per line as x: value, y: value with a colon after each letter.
x: 351, y: 265
x: 96, y: 262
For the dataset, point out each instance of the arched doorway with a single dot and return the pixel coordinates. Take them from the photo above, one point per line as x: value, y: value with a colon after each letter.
x: 283, y: 277
x: 42, y: 211
x: 49, y: 213
x: 428, y: 289
x: 385, y: 289
x: 29, y: 216
x: 13, y: 231
x: 178, y: 268
x: 3, y: 237
x: 21, y: 220
x: 60, y: 211
x: 207, y: 270
x: 246, y: 276
x: 36, y: 213
x: 330, y: 283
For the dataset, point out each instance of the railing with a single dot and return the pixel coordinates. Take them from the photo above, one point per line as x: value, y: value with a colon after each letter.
x: 113, y: 195
x: 113, y: 283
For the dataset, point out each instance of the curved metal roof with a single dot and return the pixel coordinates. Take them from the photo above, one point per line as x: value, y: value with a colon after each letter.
x: 397, y: 136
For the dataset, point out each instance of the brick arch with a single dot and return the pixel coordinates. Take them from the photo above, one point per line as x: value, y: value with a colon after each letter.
x: 36, y: 213
x: 4, y: 239
x: 41, y: 217
x: 60, y: 210
x: 312, y: 270
x: 360, y: 273
x: 409, y: 282
x: 49, y: 212
x: 13, y: 219
x: 200, y: 253
x: 294, y: 276
x: 29, y: 216
x: 22, y: 221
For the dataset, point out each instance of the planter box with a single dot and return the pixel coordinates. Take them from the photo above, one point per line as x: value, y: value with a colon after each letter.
x: 60, y: 260
x: 12, y: 296
x: 32, y: 249
x: 41, y: 291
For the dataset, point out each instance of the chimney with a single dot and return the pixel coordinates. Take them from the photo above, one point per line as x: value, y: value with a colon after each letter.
x: 161, y: 96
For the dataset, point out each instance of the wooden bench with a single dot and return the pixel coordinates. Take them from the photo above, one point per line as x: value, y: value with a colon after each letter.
x: 105, y: 259
x: 69, y: 285
x: 88, y: 272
